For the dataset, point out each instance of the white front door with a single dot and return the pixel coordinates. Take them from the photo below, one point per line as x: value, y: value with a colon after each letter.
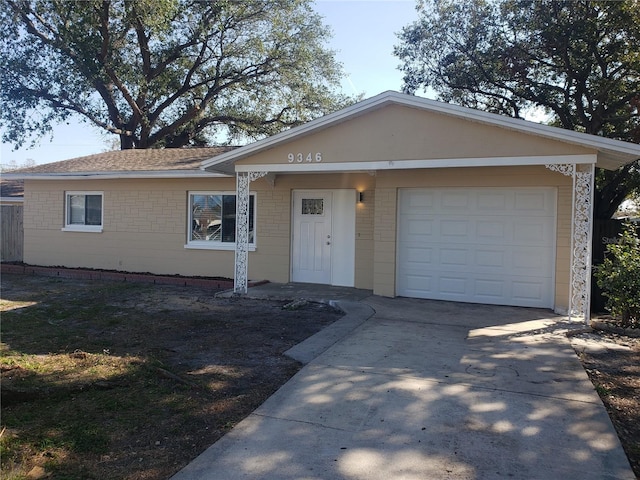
x: 312, y: 236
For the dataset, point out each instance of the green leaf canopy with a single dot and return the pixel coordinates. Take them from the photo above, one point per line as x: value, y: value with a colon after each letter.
x: 578, y: 60
x: 164, y: 73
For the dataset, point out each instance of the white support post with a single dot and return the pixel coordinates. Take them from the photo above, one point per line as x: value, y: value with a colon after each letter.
x: 581, y: 244
x: 583, y: 177
x: 240, y: 278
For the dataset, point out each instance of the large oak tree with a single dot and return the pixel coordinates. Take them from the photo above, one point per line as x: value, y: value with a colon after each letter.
x: 579, y: 60
x: 164, y: 73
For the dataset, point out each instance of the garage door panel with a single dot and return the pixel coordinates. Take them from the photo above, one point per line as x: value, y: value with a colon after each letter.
x: 418, y: 256
x: 418, y: 201
x: 530, y: 202
x: 417, y: 227
x: 528, y: 291
x: 528, y: 256
x: 453, y: 256
x: 489, y: 230
x: 489, y: 289
x: 490, y: 258
x: 538, y: 231
x: 478, y: 245
x: 418, y: 283
x: 454, y: 228
x: 452, y: 285
x: 454, y: 201
x: 492, y: 202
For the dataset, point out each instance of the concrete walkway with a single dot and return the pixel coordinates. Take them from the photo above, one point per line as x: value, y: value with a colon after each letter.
x: 416, y: 389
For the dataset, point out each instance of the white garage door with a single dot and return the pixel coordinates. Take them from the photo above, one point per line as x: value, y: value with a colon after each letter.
x: 482, y: 245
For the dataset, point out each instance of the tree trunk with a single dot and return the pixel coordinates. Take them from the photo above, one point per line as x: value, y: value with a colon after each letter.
x: 126, y: 142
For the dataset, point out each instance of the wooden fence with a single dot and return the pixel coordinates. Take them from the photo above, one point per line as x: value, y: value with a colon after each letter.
x: 12, y: 233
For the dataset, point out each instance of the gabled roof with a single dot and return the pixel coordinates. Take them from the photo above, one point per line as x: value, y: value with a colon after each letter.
x: 612, y: 154
x: 170, y: 162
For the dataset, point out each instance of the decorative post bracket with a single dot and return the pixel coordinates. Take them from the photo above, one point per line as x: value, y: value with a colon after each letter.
x: 581, y: 235
x: 240, y: 278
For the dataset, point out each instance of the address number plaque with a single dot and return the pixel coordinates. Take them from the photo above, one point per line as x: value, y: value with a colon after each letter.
x: 304, y: 157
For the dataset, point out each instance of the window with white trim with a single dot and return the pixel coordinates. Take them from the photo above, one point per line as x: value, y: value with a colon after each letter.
x: 83, y: 211
x: 212, y: 220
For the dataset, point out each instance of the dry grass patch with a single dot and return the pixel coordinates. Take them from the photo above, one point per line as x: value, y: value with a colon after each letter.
x: 105, y: 380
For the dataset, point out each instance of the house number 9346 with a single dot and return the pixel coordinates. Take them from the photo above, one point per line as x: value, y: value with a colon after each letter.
x: 301, y: 157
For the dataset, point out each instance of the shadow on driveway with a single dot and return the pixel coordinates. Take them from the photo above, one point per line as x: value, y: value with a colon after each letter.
x: 430, y: 390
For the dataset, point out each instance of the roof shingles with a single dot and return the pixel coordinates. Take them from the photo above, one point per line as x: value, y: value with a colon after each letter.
x: 149, y: 160
x: 11, y: 188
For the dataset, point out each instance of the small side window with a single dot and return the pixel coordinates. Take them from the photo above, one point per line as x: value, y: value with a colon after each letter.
x: 83, y: 211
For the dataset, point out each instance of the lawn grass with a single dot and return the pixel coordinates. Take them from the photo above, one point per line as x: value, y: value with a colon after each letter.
x: 65, y: 396
x: 104, y: 380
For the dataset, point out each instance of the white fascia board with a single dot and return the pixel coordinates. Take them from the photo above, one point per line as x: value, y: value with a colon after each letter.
x: 417, y: 164
x: 116, y: 175
x: 624, y: 151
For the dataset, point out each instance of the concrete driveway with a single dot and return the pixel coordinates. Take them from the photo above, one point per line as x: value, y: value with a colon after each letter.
x: 416, y: 389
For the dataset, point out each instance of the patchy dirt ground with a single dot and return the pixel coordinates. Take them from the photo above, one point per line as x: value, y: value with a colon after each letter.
x: 613, y: 364
x: 108, y: 380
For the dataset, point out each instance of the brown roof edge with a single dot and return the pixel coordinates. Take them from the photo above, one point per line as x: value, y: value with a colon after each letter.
x: 147, y: 160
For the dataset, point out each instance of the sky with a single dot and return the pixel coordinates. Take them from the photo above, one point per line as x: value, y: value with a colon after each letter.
x: 364, y: 34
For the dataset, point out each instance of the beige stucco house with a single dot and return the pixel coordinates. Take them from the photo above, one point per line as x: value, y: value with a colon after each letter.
x: 398, y: 194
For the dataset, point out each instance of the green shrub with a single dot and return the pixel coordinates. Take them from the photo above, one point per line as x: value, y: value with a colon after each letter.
x: 619, y: 278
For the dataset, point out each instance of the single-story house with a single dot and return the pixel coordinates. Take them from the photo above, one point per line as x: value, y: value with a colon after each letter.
x: 399, y: 194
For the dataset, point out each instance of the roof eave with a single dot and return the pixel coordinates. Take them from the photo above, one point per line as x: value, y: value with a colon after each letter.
x: 613, y: 160
x: 115, y: 175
